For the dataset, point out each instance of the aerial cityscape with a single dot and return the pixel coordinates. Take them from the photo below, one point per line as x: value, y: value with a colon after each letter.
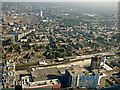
x: 60, y: 46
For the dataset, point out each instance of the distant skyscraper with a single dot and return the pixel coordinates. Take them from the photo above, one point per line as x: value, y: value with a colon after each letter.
x: 41, y: 14
x: 13, y: 40
x: 104, y: 60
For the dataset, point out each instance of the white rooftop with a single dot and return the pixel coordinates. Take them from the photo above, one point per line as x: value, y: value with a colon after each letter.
x: 40, y: 83
x: 106, y: 66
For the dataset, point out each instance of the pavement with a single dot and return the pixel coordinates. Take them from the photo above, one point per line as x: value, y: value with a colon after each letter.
x: 80, y: 63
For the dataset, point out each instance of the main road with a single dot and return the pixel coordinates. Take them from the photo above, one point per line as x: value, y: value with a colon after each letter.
x: 83, y: 60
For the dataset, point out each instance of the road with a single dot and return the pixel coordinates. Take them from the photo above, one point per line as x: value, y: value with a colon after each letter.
x: 75, y: 60
x: 80, y: 63
x: 89, y: 56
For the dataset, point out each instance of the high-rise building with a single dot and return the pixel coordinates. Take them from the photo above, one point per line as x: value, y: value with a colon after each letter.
x: 81, y: 77
x: 41, y: 14
x: 8, y: 76
x: 13, y: 39
x: 95, y: 62
x: 104, y: 60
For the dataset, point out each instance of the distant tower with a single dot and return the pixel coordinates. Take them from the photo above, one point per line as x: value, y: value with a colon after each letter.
x: 13, y: 40
x: 104, y: 60
x: 95, y: 62
x: 41, y: 14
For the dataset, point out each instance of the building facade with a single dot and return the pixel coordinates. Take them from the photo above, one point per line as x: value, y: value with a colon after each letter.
x: 81, y: 77
x: 95, y: 62
x: 52, y: 84
x: 8, y: 76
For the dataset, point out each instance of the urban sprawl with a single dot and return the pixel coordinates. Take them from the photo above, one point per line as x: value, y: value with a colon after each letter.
x: 66, y: 46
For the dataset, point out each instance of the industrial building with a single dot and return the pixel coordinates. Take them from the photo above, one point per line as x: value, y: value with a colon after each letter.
x: 78, y: 76
x: 41, y: 78
x: 44, y: 74
x: 115, y: 64
x: 105, y: 67
x: 52, y: 84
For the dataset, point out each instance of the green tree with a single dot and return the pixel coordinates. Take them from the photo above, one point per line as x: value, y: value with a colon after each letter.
x: 32, y: 53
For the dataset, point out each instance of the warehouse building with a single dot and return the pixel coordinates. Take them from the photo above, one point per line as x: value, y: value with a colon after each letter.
x: 41, y: 78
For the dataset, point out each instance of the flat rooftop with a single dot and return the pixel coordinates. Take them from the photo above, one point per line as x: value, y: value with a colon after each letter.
x: 40, y: 83
x: 18, y: 73
x: 77, y: 71
x: 44, y: 74
x: 114, y: 63
x: 106, y: 67
x: 62, y: 70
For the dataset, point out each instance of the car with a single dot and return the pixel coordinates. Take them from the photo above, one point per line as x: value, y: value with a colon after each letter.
x: 81, y: 55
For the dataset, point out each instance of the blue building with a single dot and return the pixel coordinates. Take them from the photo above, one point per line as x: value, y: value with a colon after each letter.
x: 81, y: 77
x: 89, y: 81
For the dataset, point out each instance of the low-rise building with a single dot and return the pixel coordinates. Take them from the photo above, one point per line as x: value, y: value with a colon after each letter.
x: 47, y: 73
x: 45, y: 84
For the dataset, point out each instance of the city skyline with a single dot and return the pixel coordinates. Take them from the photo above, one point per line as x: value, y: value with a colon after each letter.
x: 60, y: 0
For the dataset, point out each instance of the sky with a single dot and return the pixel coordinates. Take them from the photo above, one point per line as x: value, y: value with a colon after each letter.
x: 60, y: 0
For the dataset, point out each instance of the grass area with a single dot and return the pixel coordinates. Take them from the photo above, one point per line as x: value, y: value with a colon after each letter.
x: 28, y: 71
x: 40, y: 56
x: 24, y: 66
x: 19, y: 59
x: 95, y: 23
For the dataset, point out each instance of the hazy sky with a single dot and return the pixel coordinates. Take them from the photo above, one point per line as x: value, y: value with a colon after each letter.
x: 60, y: 0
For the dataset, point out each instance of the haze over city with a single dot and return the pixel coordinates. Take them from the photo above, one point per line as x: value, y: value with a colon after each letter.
x: 60, y: 1
x: 60, y: 45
